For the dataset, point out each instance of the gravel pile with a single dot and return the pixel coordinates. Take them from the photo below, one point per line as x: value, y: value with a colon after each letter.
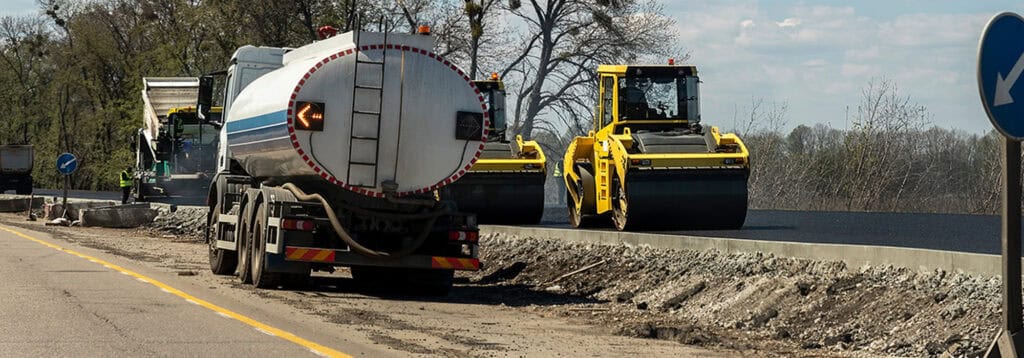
x: 187, y: 222
x: 793, y: 306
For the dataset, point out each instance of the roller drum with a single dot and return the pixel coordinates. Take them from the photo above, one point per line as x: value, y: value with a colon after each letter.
x: 501, y: 198
x: 687, y: 199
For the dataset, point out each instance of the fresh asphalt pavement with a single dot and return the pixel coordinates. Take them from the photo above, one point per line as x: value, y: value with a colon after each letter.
x: 948, y: 232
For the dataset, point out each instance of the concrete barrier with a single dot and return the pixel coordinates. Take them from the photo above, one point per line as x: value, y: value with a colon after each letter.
x: 121, y: 216
x: 18, y: 203
x: 852, y: 255
x: 56, y: 210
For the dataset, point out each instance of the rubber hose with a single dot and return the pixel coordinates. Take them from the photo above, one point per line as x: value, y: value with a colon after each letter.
x: 345, y: 237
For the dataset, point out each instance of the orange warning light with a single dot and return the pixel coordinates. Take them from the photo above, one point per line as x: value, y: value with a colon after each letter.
x: 423, y: 30
x: 494, y: 76
x: 309, y: 116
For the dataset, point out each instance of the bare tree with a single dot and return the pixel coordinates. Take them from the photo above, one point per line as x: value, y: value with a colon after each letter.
x: 566, y: 40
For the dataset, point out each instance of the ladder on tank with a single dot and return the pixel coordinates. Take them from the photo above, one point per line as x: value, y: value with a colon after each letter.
x: 364, y: 144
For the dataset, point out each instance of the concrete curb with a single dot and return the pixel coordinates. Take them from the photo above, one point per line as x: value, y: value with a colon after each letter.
x: 122, y: 216
x: 852, y: 255
x: 19, y: 203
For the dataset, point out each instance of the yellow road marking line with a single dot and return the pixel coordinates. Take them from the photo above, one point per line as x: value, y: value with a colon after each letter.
x: 313, y: 347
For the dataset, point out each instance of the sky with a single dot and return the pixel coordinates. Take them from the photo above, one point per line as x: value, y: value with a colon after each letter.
x: 817, y: 57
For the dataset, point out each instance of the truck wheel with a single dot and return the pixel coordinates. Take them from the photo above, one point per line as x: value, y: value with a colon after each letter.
x: 431, y: 282
x: 24, y: 188
x: 425, y: 282
x: 244, y: 269
x: 222, y: 262
x: 260, y: 277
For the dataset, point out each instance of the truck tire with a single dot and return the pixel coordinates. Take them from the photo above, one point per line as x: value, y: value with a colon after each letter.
x: 260, y: 277
x: 424, y: 282
x: 222, y: 262
x: 244, y: 255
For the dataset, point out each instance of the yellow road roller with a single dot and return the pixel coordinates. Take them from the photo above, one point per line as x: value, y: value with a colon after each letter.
x: 649, y: 163
x: 506, y: 185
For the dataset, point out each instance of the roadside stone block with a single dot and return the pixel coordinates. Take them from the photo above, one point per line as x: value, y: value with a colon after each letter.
x: 19, y: 203
x: 120, y: 216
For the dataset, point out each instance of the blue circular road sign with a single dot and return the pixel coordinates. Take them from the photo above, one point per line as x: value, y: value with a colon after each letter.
x: 67, y: 163
x: 1000, y: 63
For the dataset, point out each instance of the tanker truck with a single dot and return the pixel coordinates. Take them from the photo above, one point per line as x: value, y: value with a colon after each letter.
x: 332, y: 154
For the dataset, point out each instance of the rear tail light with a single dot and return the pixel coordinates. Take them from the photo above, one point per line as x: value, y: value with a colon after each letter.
x: 468, y: 236
x: 298, y: 224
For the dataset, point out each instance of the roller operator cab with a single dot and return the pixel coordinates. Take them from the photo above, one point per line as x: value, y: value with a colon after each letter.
x: 506, y: 186
x: 649, y: 163
x: 332, y: 154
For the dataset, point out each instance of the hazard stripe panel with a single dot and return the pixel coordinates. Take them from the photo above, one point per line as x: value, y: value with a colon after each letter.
x: 454, y: 263
x: 314, y: 255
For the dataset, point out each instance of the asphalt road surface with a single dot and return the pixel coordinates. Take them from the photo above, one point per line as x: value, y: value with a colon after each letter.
x: 949, y: 232
x: 57, y: 303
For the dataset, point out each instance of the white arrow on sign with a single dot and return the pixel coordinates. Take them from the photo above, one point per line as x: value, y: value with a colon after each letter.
x: 1003, y: 85
x: 65, y: 165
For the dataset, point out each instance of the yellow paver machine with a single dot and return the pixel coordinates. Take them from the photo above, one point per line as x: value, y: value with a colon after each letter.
x: 649, y: 163
x: 506, y: 185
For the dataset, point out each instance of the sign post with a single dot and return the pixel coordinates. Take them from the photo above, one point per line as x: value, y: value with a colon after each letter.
x: 66, y: 164
x: 1000, y: 63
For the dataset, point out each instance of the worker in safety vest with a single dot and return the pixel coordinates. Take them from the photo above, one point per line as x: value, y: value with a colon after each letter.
x: 126, y: 184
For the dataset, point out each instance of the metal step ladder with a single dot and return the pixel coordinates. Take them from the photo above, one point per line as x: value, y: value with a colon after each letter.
x: 364, y: 144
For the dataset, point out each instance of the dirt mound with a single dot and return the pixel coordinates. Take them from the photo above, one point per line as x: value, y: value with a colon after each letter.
x: 790, y: 306
x: 186, y: 222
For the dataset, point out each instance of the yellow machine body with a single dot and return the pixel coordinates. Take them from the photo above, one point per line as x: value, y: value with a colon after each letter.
x: 649, y: 163
x: 506, y: 185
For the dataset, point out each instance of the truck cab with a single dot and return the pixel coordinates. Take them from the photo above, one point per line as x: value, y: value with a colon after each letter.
x: 247, y: 64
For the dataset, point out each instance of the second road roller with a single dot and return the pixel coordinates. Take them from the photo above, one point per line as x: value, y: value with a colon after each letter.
x: 649, y: 163
x: 506, y: 186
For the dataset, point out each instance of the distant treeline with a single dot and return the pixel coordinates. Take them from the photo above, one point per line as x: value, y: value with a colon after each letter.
x: 71, y: 74
x: 888, y: 160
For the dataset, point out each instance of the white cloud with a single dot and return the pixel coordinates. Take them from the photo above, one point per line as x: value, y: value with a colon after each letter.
x: 815, y: 63
x: 821, y: 57
x: 932, y: 29
x: 862, y: 54
x: 789, y: 22
x: 856, y: 70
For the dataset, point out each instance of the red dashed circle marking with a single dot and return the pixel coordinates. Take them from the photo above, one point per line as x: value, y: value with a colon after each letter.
x: 332, y: 179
